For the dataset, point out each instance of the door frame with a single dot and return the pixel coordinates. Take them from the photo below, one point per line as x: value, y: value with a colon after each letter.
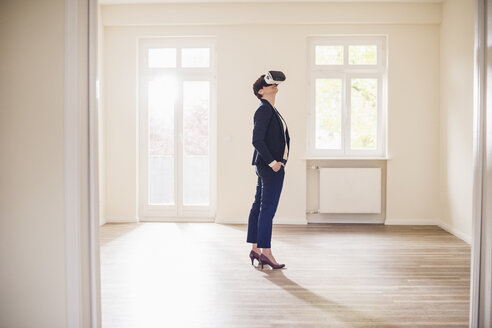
x: 82, y: 263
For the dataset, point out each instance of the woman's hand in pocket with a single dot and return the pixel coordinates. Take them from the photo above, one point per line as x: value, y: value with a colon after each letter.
x: 277, y: 166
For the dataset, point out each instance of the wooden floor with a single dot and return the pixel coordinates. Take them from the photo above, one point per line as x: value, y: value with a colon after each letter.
x: 340, y: 275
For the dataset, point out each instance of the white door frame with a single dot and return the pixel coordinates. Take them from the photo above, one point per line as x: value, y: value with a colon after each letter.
x: 81, y: 176
x: 82, y: 273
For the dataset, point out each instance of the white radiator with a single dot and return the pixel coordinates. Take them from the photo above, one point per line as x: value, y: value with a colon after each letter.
x: 350, y: 190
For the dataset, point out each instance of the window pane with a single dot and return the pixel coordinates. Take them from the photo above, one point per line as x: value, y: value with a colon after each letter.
x: 364, y: 113
x: 196, y: 170
x: 363, y: 55
x: 329, y: 55
x: 195, y: 57
x: 328, y: 114
x: 161, y: 95
x: 162, y: 58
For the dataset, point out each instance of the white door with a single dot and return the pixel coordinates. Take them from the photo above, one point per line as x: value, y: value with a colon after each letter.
x: 177, y: 129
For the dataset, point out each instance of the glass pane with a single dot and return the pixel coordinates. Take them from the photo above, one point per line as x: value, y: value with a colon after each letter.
x: 364, y: 113
x: 329, y: 55
x: 328, y: 114
x: 161, y: 96
x: 196, y: 167
x: 162, y: 58
x: 363, y: 55
x: 195, y: 57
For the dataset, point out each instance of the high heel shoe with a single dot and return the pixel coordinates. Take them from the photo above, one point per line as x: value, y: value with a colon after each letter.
x: 265, y: 260
x: 253, y: 255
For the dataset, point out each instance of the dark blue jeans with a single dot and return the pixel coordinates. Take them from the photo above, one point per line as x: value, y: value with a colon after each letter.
x: 263, y: 210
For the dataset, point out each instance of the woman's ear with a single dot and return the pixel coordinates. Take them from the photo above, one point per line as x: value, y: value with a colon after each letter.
x: 260, y: 92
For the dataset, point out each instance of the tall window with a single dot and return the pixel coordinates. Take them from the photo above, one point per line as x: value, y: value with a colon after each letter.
x: 347, y: 97
x: 177, y: 127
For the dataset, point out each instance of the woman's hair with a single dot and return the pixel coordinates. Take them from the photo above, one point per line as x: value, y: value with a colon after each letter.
x: 258, y: 85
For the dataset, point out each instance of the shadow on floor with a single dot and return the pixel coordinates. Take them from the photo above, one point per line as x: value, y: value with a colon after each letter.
x: 278, y: 278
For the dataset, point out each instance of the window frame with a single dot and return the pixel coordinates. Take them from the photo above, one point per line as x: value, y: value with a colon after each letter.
x: 346, y: 72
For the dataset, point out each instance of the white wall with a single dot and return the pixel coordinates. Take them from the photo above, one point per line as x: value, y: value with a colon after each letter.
x: 456, y: 116
x: 120, y: 128
x: 413, y: 126
x: 32, y: 255
x: 248, y: 46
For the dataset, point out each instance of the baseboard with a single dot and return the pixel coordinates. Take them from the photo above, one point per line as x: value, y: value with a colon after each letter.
x: 118, y: 220
x: 180, y: 220
x: 467, y: 239
x: 278, y: 221
x: 231, y: 220
x: 343, y: 220
x: 411, y: 222
x: 296, y: 221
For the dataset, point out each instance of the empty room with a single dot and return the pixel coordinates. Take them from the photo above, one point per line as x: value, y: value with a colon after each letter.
x: 374, y: 218
x: 234, y: 163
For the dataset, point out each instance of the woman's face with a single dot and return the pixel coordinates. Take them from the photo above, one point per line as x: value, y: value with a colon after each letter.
x: 269, y: 90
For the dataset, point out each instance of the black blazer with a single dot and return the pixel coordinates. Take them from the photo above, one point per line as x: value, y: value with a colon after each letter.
x: 268, y: 135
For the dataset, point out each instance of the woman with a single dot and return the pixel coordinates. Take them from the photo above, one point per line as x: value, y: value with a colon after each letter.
x: 271, y: 142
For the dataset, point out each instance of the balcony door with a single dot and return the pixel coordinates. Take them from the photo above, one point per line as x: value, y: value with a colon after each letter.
x: 177, y: 129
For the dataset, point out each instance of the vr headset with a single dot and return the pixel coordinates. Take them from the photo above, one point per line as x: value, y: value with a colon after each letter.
x: 274, y: 77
